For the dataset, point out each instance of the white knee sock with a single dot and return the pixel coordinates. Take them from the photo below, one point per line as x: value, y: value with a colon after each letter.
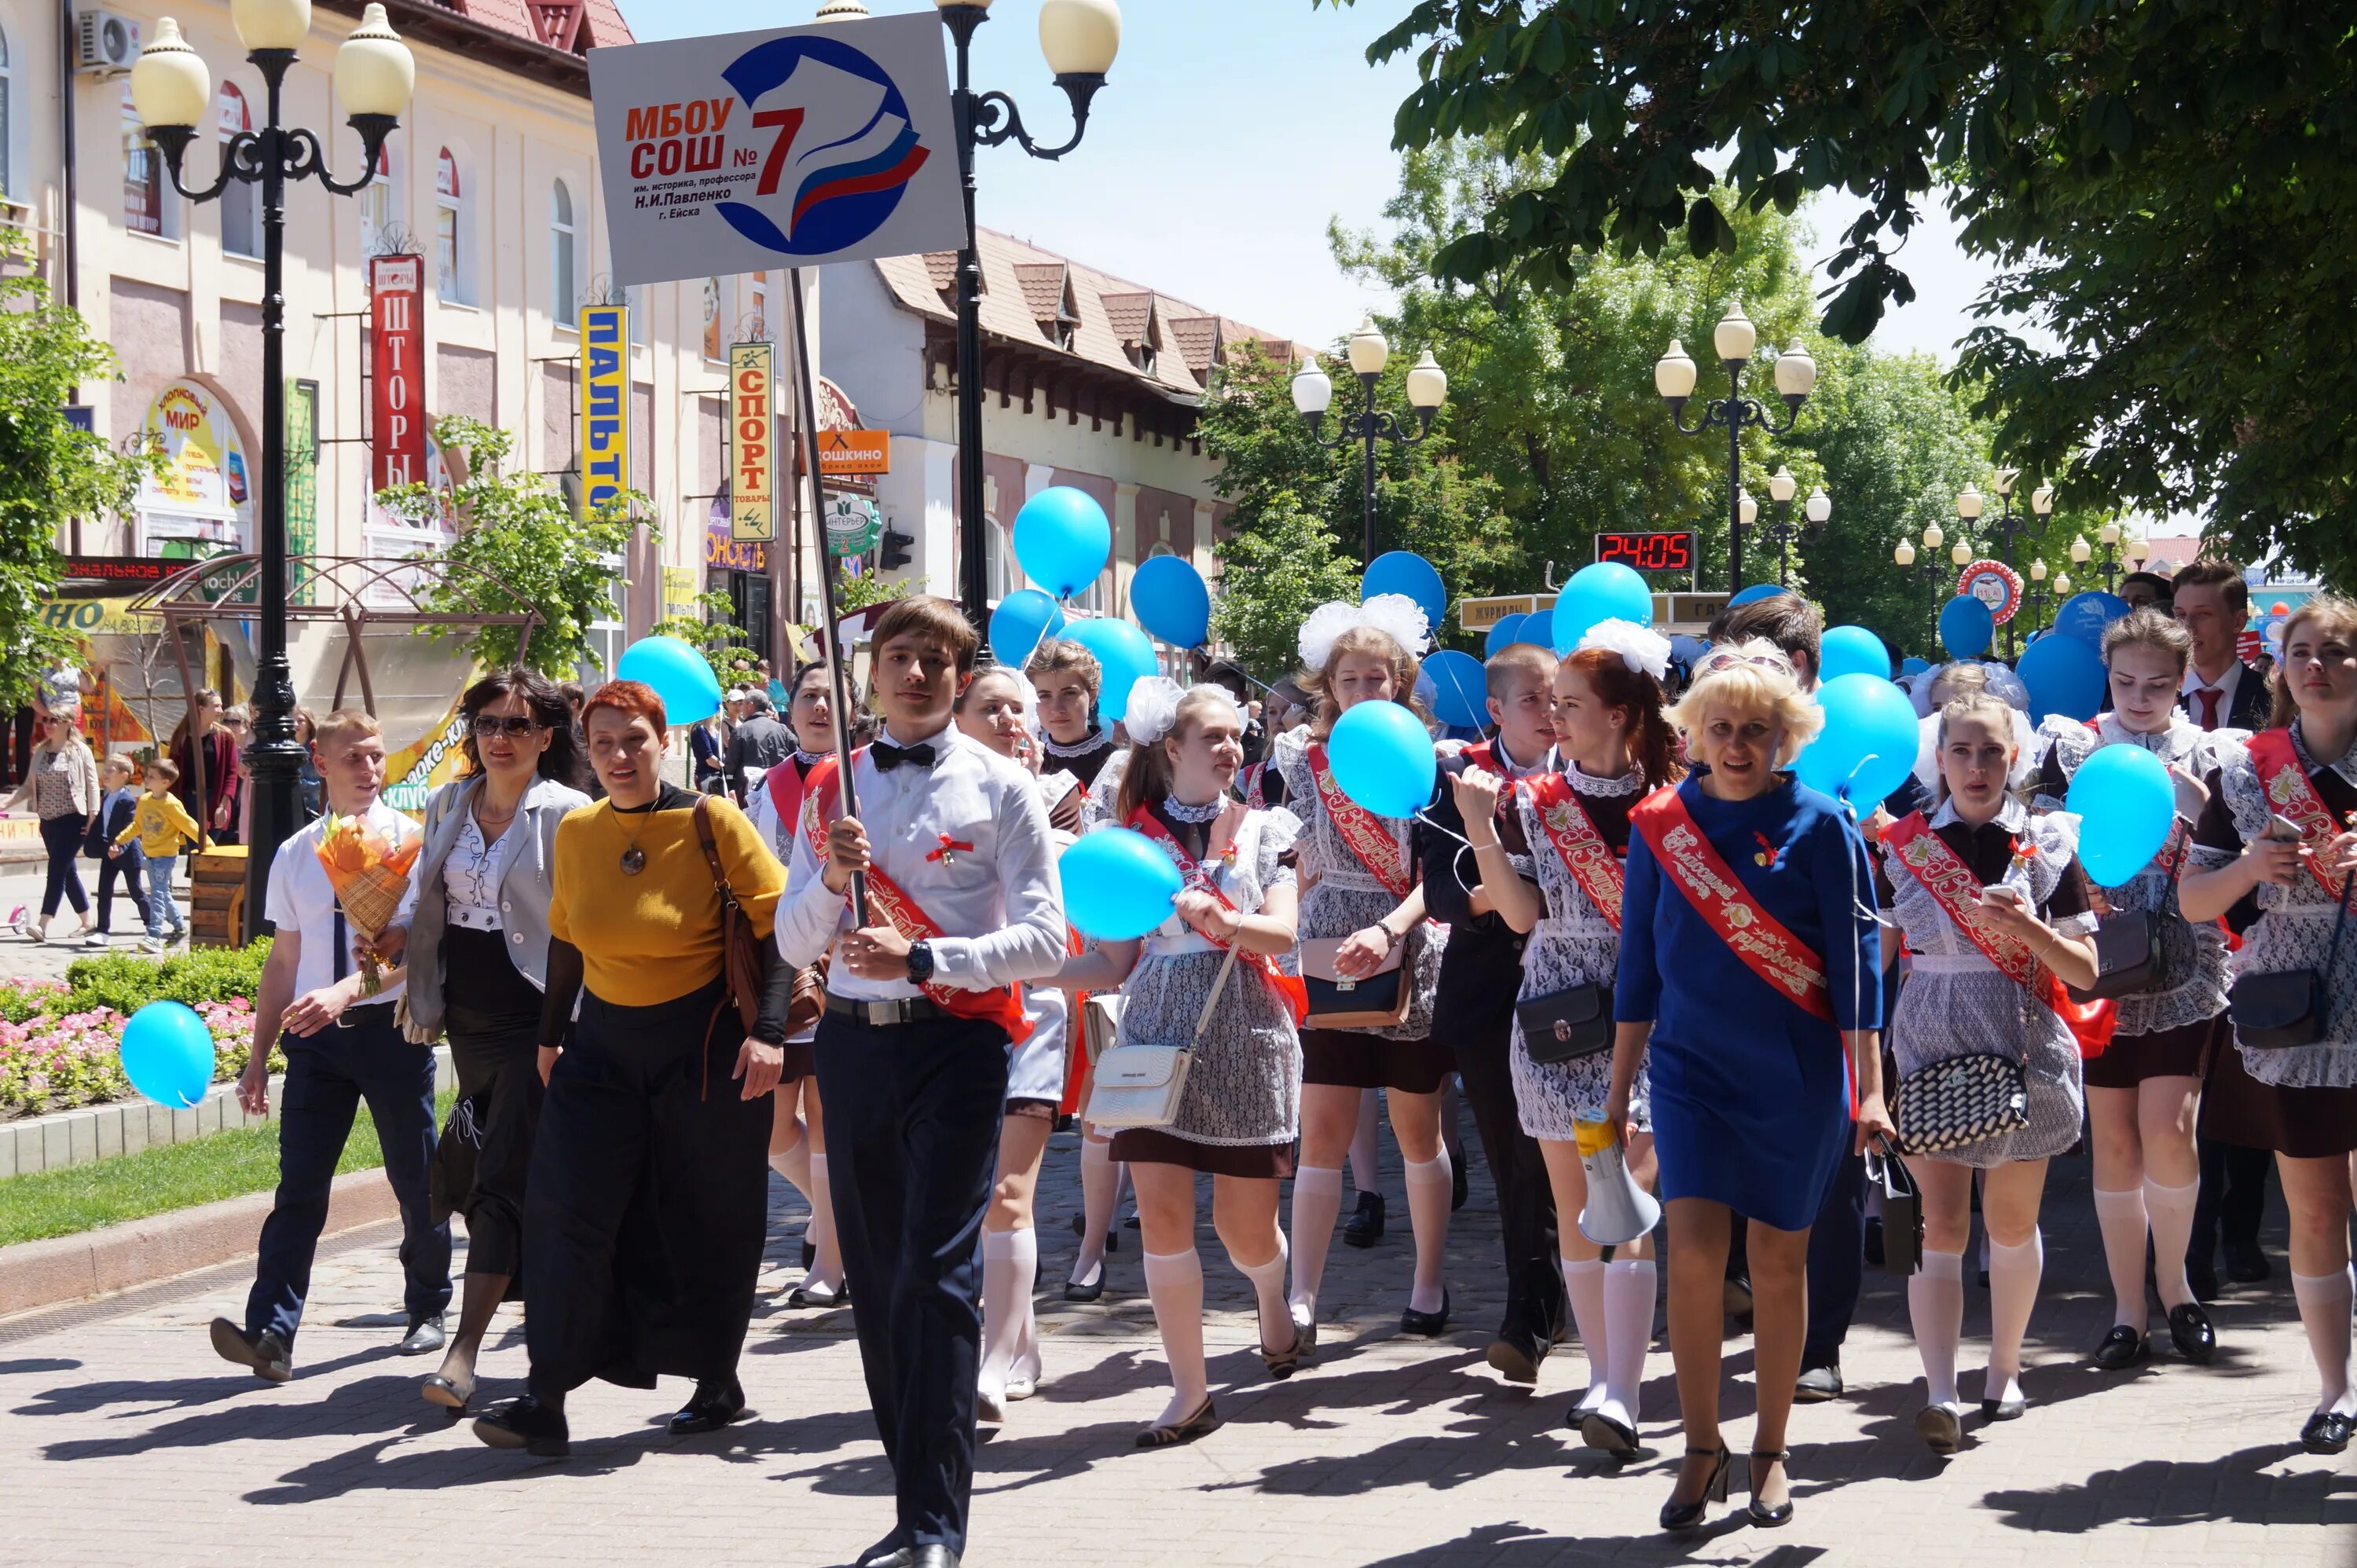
x: 826, y: 1268
x: 1583, y: 1282
x: 794, y: 1164
x: 1316, y: 1204
x: 1174, y: 1283
x: 2324, y: 1305
x: 1935, y: 1305
x: 2120, y: 1216
x: 1005, y: 1282
x: 2014, y: 1274
x: 1427, y: 1212
x: 1365, y: 1175
x: 1268, y: 1294
x: 2171, y: 1209
x: 1629, y: 1285
x: 1100, y: 1185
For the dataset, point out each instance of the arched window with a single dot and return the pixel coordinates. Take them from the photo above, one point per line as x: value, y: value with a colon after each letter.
x: 454, y: 278
x: 241, y: 203
x: 379, y: 203
x: 564, y: 278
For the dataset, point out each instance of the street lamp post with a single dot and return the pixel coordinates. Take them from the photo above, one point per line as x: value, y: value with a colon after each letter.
x: 1733, y: 340
x: 1782, y: 487
x: 1313, y: 394
x: 1079, y: 40
x: 2109, y: 537
x: 171, y: 90
x: 1904, y: 555
x: 2033, y: 598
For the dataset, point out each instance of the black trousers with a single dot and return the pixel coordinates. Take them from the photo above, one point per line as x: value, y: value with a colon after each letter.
x: 2233, y: 1201
x: 1526, y: 1217
x: 912, y: 1120
x: 1836, y: 1263
x: 328, y: 1076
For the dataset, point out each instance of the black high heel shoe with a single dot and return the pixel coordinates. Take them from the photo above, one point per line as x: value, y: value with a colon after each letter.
x: 1430, y: 1325
x: 1782, y: 1512
x: 1676, y: 1515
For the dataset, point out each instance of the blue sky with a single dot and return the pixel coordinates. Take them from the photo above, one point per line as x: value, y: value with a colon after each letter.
x: 1228, y: 135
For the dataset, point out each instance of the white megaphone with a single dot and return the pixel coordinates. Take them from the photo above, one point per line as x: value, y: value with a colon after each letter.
x: 1619, y: 1211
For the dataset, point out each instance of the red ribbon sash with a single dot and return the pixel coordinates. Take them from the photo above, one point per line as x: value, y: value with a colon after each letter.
x: 1953, y: 886
x: 1369, y: 842
x: 1584, y: 853
x: 1289, y: 986
x: 822, y: 798
x: 2289, y: 792
x: 1718, y: 895
x: 787, y: 786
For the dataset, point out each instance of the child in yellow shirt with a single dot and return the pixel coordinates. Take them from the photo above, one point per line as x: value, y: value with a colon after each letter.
x: 163, y: 826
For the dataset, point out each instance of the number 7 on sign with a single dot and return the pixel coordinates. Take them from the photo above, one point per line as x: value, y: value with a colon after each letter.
x: 789, y: 123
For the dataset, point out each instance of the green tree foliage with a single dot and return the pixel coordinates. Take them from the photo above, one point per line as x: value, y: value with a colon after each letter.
x: 2170, y: 186
x: 519, y: 530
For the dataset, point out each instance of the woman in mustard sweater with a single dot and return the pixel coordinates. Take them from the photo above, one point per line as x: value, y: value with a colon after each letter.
x: 648, y: 1198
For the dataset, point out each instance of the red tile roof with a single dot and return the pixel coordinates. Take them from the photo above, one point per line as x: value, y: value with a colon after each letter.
x: 572, y: 26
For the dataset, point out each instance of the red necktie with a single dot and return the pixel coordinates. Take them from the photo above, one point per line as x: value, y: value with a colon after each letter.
x: 2208, y: 695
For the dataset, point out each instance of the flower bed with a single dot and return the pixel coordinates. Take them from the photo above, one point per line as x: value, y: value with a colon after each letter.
x: 60, y: 1040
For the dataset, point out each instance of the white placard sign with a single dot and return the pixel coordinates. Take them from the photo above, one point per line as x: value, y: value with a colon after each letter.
x: 794, y: 147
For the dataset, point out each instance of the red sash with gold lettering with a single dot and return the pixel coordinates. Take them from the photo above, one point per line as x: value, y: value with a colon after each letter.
x: 1951, y: 884
x: 2288, y: 791
x: 787, y: 786
x: 1289, y: 986
x: 1584, y: 853
x: 1369, y: 842
x: 1718, y: 895
x: 822, y: 799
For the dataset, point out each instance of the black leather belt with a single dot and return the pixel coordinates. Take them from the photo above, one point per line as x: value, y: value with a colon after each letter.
x: 885, y: 1014
x: 369, y: 1013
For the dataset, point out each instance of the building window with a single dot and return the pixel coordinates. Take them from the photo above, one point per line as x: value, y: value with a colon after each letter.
x: 380, y: 205
x: 452, y: 275
x: 759, y: 309
x: 563, y: 281
x: 241, y: 203
x: 148, y: 206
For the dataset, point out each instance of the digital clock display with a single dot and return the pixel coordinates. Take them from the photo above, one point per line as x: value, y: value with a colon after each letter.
x: 1648, y: 552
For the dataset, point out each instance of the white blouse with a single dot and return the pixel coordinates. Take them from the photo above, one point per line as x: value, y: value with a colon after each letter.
x: 471, y: 876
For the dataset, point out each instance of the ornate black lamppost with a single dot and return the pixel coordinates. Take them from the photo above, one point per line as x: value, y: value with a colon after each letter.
x: 1733, y: 339
x: 1313, y: 394
x: 1782, y: 487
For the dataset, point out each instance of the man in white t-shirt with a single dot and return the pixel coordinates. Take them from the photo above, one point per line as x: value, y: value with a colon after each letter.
x: 341, y: 1047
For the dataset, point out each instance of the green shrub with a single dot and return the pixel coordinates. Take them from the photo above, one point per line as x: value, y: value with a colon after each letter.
x: 128, y: 982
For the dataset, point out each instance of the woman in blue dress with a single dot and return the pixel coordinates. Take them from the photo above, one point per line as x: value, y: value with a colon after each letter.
x: 1752, y: 1038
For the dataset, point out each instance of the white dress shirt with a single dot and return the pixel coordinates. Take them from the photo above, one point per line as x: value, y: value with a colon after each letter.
x: 301, y: 900
x: 998, y: 903
x: 2225, y: 686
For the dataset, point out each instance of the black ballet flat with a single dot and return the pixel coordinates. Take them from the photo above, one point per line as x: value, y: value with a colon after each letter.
x: 1088, y: 1290
x: 1676, y: 1515
x: 1766, y: 1517
x: 524, y: 1422
x: 1429, y: 1325
x: 451, y: 1394
x: 2189, y: 1330
x: 2005, y: 1410
x: 1937, y: 1425
x: 1601, y: 1432
x: 1204, y: 1420
x: 1365, y: 1226
x: 2123, y: 1347
x: 2327, y: 1432
x: 713, y: 1406
x: 1283, y: 1364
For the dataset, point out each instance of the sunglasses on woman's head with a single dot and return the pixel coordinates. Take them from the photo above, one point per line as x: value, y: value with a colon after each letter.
x: 515, y: 726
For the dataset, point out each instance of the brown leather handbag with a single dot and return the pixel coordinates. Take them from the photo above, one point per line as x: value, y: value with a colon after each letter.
x: 741, y: 944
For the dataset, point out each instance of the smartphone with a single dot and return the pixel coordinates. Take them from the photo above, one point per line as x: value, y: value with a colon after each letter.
x: 2283, y: 829
x: 2002, y: 892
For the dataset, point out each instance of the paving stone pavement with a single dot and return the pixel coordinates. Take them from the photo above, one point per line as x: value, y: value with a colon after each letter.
x: 125, y: 1441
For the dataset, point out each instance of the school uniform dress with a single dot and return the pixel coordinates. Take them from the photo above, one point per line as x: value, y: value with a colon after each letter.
x: 1345, y: 897
x: 915, y: 1079
x: 1956, y: 1003
x: 1085, y: 759
x: 1750, y: 1091
x: 2173, y: 1032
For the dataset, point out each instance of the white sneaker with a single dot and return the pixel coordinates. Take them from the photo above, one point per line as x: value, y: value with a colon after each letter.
x: 96, y: 940
x: 149, y: 944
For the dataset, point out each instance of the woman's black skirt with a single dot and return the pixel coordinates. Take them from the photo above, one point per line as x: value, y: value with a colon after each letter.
x: 482, y: 1163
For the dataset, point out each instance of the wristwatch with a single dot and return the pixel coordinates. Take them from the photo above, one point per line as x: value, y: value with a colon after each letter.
x: 920, y: 962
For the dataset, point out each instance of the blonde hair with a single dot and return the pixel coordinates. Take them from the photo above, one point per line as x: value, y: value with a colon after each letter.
x: 1370, y: 642
x: 358, y: 720
x: 1754, y: 677
x: 2339, y: 618
x: 1056, y: 655
x: 1145, y: 778
x: 1979, y: 703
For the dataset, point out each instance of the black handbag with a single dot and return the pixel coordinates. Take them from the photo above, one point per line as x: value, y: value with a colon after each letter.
x: 1950, y: 1104
x: 1902, y: 1211
x: 2128, y: 956
x: 1565, y: 1026
x: 2286, y: 1009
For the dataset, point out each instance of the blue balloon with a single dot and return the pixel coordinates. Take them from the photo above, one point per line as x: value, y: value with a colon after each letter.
x: 1965, y: 626
x: 1122, y: 653
x: 1022, y: 620
x: 1537, y: 629
x: 1606, y: 591
x: 1063, y: 540
x: 1913, y: 666
x: 1755, y: 593
x: 1169, y: 599
x: 167, y: 1054
x: 1405, y: 571
x: 1118, y: 885
x: 2084, y: 616
x: 1507, y: 632
x: 1852, y: 651
x: 2064, y: 675
x: 1867, y: 746
x: 2126, y: 803
x: 680, y: 676
x: 1383, y: 759
x: 1460, y: 690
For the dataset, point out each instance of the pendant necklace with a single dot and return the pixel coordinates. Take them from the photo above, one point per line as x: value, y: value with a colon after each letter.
x: 634, y: 859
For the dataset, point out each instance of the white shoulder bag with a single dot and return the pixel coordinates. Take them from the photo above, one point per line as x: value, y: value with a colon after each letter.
x: 1140, y: 1085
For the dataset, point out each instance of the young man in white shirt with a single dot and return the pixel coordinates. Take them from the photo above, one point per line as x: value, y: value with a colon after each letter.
x: 341, y: 1047
x: 964, y: 906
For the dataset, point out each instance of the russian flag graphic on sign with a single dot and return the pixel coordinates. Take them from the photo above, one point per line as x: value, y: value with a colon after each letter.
x: 838, y: 149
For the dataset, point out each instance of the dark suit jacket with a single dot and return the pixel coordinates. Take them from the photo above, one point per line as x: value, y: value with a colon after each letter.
x: 1481, y: 970
x: 760, y: 742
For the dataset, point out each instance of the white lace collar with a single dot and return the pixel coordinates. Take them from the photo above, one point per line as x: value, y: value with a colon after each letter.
x: 2176, y: 742
x: 2011, y: 815
x: 1095, y: 739
x: 1585, y: 783
x: 2346, y: 765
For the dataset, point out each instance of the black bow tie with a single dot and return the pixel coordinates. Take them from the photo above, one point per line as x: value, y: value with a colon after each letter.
x: 888, y: 757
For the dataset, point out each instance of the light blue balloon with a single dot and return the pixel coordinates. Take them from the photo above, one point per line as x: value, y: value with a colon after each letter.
x: 1405, y: 571
x: 1118, y: 885
x: 1965, y: 626
x: 1867, y: 746
x: 1755, y: 593
x: 1913, y: 666
x: 1063, y: 540
x: 2085, y: 616
x: 167, y: 1054
x: 1606, y: 591
x: 1022, y: 620
x: 680, y: 676
x: 2126, y: 803
x: 1852, y: 651
x: 1537, y: 629
x: 1505, y: 634
x: 1122, y: 653
x: 2064, y: 675
x: 1382, y: 758
x: 1169, y: 599
x: 1459, y: 689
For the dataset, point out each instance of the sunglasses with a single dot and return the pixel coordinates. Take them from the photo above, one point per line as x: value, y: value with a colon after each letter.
x: 515, y: 726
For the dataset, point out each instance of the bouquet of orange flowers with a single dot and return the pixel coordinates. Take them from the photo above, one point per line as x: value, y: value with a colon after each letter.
x: 369, y: 874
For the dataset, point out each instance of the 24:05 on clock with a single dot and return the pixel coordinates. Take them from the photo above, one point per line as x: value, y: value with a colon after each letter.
x: 1653, y: 551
